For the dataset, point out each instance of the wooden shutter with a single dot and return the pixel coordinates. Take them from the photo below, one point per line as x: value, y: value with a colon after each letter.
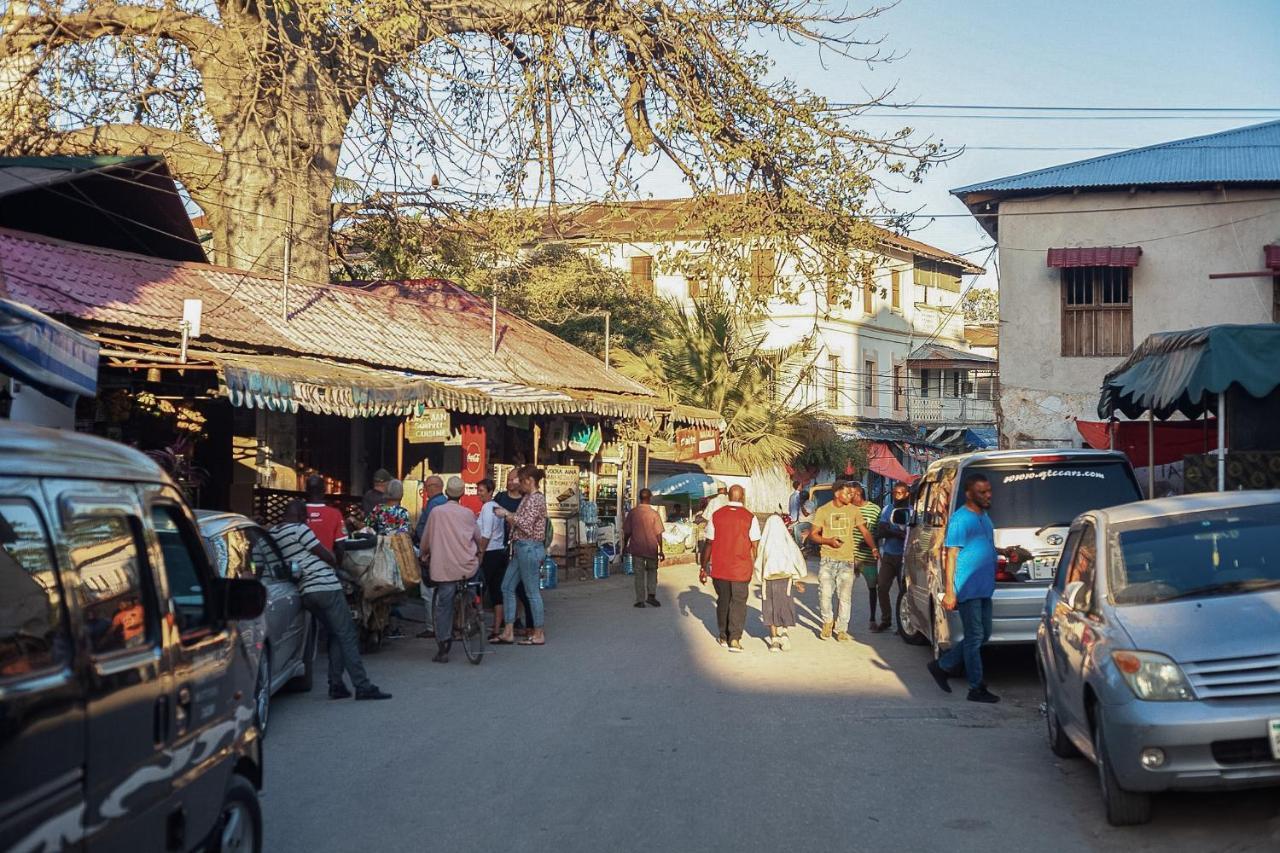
x: 895, y: 287
x: 1097, y: 311
x: 642, y: 273
x: 764, y: 267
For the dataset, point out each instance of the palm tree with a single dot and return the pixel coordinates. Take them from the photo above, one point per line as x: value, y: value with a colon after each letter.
x: 713, y: 357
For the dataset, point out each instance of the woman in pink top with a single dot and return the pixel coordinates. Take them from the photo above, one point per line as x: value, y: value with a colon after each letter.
x: 528, y: 531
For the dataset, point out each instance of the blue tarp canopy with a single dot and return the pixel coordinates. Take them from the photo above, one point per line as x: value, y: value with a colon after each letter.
x: 54, y: 359
x: 981, y: 438
x: 686, y: 485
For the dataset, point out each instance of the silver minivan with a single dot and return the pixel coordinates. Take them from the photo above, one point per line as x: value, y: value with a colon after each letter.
x: 1159, y: 648
x: 1036, y: 494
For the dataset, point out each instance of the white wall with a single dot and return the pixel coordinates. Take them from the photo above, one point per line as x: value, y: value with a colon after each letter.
x: 1184, y: 236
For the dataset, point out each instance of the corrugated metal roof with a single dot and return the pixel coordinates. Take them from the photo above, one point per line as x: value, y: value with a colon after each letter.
x: 1245, y: 155
x: 1094, y: 256
x: 428, y: 327
x: 941, y: 352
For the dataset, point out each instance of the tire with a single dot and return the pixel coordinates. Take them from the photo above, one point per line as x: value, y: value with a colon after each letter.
x: 303, y: 683
x: 262, y: 692
x: 472, y: 629
x: 1059, y: 744
x: 239, y: 828
x: 906, y: 625
x: 1124, y: 808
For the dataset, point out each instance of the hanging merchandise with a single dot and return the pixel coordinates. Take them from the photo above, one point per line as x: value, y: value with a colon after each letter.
x: 595, y: 441
x: 548, y: 574
x: 556, y: 436
x: 580, y: 438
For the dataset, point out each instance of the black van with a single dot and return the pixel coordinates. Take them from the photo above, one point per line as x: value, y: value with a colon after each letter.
x: 126, y: 718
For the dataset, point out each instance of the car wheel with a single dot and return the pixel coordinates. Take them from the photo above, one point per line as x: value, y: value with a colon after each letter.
x: 262, y: 692
x: 303, y: 683
x: 1124, y: 808
x: 239, y: 827
x: 1059, y: 744
x: 907, y: 630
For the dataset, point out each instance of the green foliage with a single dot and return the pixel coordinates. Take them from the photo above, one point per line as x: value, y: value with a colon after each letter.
x: 981, y: 305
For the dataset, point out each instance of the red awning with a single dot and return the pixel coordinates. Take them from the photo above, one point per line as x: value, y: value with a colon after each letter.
x: 881, y: 460
x: 1095, y: 256
x: 1174, y: 439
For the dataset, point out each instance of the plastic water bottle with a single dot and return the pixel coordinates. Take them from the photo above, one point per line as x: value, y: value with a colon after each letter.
x: 548, y: 576
x: 628, y: 567
x: 600, y: 565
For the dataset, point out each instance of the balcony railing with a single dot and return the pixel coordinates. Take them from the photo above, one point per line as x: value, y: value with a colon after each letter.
x: 965, y: 410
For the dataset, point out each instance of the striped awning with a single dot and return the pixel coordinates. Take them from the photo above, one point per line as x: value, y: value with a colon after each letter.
x: 1095, y: 256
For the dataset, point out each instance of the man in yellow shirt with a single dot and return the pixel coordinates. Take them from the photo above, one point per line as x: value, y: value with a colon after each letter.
x: 839, y: 527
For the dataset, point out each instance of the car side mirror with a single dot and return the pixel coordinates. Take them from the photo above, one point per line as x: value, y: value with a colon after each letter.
x: 242, y: 599
x: 1076, y: 595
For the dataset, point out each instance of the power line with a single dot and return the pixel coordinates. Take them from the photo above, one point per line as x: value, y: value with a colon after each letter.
x: 1096, y: 109
x: 1136, y: 117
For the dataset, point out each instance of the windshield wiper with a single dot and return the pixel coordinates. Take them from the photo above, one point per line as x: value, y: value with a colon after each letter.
x: 1053, y: 524
x: 1230, y: 586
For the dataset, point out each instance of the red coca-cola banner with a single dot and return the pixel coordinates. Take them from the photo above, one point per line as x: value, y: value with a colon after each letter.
x: 473, y: 453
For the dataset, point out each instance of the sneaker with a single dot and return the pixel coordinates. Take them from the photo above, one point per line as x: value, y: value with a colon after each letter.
x: 844, y: 637
x: 940, y: 676
x: 653, y: 601
x: 827, y: 628
x: 735, y: 645
x: 775, y: 644
x: 371, y: 692
x: 982, y: 694
x: 395, y: 634
x: 721, y: 641
x: 638, y: 604
x: 339, y: 691
x: 784, y: 642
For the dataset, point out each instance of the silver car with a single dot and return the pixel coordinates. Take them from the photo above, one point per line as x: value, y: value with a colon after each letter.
x: 284, y: 637
x: 1035, y: 496
x: 1159, y: 647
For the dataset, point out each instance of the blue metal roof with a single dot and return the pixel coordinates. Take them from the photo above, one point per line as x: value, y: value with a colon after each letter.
x: 1246, y: 155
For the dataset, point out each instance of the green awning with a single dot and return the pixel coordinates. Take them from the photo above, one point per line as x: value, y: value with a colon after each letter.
x: 1186, y: 371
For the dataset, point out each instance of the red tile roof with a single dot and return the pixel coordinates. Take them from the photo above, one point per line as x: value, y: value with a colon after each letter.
x: 429, y: 327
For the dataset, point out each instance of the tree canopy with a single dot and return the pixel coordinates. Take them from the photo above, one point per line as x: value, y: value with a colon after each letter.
x: 981, y: 306
x: 260, y: 105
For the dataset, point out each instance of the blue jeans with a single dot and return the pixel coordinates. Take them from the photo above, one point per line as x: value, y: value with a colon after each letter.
x: 524, y: 568
x: 836, y: 576
x: 330, y: 610
x: 975, y: 616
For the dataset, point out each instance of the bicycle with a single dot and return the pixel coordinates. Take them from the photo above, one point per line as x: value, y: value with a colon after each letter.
x: 469, y: 619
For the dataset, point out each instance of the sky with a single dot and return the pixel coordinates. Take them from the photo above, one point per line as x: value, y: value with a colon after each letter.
x: 1088, y: 53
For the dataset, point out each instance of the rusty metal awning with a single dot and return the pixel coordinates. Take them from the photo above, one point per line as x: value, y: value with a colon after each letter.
x: 1094, y: 256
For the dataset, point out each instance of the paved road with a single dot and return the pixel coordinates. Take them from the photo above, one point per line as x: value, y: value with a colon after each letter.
x: 632, y: 730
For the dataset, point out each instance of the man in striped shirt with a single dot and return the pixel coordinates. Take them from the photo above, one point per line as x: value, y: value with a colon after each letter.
x: 311, y: 565
x: 866, y: 553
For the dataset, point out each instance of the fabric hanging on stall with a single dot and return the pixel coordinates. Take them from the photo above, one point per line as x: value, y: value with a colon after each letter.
x: 881, y: 460
x: 1174, y: 439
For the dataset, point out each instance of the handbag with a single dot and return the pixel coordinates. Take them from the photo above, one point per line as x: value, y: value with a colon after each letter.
x: 383, y: 576
x: 406, y: 559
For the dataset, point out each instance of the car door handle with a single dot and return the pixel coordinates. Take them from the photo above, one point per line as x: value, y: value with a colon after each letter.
x: 162, y: 719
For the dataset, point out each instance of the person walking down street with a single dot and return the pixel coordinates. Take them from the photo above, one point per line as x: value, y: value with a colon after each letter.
x: 493, y: 544
x: 528, y: 532
x: 433, y: 493
x: 969, y: 565
x: 510, y: 501
x: 838, y: 526
x: 313, y: 568
x: 733, y: 537
x: 795, y: 509
x: 642, y: 539
x: 452, y: 546
x: 779, y: 566
x: 892, y: 538
x: 325, y: 521
x: 389, y: 516
x: 373, y: 497
x: 866, y: 551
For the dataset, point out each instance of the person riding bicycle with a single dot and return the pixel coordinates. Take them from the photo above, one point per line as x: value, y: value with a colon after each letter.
x: 451, y: 547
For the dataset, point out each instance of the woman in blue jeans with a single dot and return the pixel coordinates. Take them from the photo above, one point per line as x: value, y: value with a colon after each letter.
x: 528, y: 528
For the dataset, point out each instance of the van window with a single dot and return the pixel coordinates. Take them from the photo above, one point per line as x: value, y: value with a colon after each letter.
x: 267, y: 562
x: 107, y: 552
x: 33, y: 634
x: 1054, y: 493
x: 180, y: 549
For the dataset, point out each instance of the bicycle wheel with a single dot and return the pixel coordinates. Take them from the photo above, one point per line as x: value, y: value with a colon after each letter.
x: 472, y: 628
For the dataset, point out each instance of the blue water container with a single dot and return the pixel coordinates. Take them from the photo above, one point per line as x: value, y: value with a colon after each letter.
x: 549, y: 574
x: 600, y: 565
x: 628, y: 567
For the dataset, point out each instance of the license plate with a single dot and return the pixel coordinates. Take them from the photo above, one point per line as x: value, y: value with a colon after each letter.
x: 1275, y: 739
x: 1042, y: 568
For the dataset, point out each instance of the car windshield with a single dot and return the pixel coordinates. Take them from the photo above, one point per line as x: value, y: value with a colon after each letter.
x: 1216, y: 552
x: 1053, y: 493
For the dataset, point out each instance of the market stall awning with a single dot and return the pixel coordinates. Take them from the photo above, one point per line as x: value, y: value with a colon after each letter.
x: 287, y: 383
x: 1094, y: 256
x: 1185, y: 371
x: 1174, y: 439
x: 881, y: 460
x: 38, y: 350
x: 981, y: 437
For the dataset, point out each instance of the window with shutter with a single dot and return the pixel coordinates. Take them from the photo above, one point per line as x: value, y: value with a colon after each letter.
x: 1097, y: 311
x: 642, y: 273
x: 895, y: 288
x: 764, y: 267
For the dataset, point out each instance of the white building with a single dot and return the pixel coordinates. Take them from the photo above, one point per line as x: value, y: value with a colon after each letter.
x: 857, y: 367
x: 1098, y: 254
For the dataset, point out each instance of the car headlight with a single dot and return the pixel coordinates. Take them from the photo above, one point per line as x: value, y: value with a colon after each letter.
x: 1153, y: 676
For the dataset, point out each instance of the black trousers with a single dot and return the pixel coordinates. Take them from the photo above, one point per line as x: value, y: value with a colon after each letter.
x: 731, y: 607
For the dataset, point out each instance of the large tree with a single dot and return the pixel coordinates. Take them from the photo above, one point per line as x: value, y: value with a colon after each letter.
x: 256, y: 103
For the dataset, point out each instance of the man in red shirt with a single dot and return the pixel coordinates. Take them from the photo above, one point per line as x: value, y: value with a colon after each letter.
x: 325, y: 521
x: 733, y: 532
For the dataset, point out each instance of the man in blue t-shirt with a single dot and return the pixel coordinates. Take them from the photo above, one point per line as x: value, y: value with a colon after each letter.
x: 970, y: 572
